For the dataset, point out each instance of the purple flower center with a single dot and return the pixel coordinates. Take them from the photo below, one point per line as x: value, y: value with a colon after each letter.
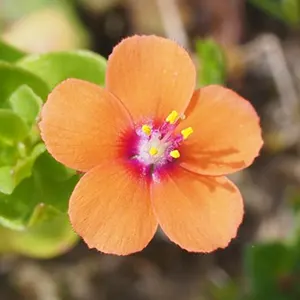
x: 155, y: 147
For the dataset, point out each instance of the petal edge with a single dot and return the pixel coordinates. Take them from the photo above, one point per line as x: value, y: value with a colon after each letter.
x: 111, y: 210
x: 198, y: 213
x: 151, y: 75
x: 227, y: 134
x: 81, y: 124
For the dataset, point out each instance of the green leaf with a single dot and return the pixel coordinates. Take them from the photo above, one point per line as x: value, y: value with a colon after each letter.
x: 12, y: 77
x: 6, y: 180
x: 23, y: 168
x: 41, y: 240
x: 9, y: 154
x: 11, y: 176
x: 17, y: 209
x: 12, y: 127
x: 291, y: 11
x: 25, y: 103
x: 212, y: 62
x: 267, y: 265
x: 285, y: 10
x: 9, y: 53
x: 52, y: 169
x: 229, y: 290
x: 42, y: 213
x: 58, y: 66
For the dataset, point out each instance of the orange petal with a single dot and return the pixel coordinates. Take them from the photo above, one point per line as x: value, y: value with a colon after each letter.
x: 111, y: 210
x: 227, y: 134
x: 82, y: 123
x: 198, y: 213
x: 151, y: 75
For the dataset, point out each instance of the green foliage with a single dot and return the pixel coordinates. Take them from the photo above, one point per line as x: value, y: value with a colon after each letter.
x: 18, y: 209
x: 228, y: 291
x: 9, y: 53
x: 12, y: 175
x: 52, y: 169
x: 25, y: 103
x: 44, y: 240
x: 212, y: 68
x: 285, y: 10
x: 58, y: 66
x: 295, y: 200
x: 6, y: 180
x: 271, y: 269
x: 12, y: 77
x: 34, y: 188
x: 12, y: 128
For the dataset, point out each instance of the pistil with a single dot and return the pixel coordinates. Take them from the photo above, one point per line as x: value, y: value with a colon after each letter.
x: 158, y: 146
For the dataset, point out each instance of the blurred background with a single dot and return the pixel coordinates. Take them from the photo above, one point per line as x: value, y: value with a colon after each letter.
x: 252, y: 46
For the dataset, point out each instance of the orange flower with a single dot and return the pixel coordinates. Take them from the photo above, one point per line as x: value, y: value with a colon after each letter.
x: 154, y: 150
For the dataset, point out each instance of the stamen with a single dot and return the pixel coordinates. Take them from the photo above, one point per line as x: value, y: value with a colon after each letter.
x: 187, y: 132
x: 172, y: 117
x: 153, y: 151
x: 157, y: 145
x: 146, y: 129
x: 175, y: 154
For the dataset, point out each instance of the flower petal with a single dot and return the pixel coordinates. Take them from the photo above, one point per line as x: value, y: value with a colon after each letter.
x: 82, y: 124
x: 111, y: 210
x: 227, y: 133
x: 198, y: 213
x: 151, y: 75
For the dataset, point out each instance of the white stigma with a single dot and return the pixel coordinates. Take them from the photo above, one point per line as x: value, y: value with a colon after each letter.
x: 153, y: 151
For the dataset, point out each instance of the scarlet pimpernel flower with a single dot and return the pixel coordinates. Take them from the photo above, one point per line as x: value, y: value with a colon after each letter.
x: 153, y: 149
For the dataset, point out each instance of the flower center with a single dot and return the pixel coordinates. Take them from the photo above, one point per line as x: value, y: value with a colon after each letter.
x: 158, y: 145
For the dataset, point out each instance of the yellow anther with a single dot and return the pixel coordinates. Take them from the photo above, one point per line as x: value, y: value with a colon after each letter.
x: 175, y: 154
x: 172, y: 117
x: 146, y: 129
x: 153, y: 151
x: 186, y: 132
